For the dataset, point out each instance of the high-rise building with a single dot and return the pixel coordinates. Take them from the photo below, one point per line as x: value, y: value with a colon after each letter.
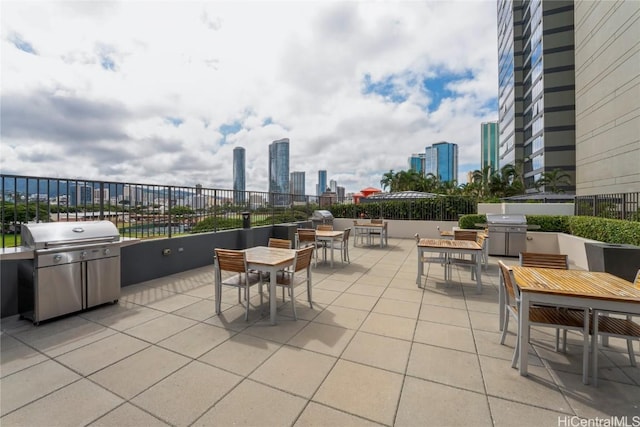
x: 607, y: 54
x: 81, y: 194
x: 297, y: 184
x: 333, y: 185
x: 416, y: 162
x: 441, y: 160
x: 489, y: 146
x: 321, y: 187
x: 537, y: 87
x: 279, y: 172
x: 239, y: 181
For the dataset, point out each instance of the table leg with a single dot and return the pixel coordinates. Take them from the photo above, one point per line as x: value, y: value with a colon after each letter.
x: 272, y: 294
x: 420, y: 268
x: 594, y: 349
x: 523, y: 334
x: 478, y: 272
x: 501, y: 304
x: 331, y: 241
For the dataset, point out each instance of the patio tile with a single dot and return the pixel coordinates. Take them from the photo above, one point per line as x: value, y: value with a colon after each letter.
x: 361, y: 390
x: 254, y: 404
x: 233, y: 318
x: 324, y: 339
x: 128, y: 415
x: 488, y: 344
x: 60, y: 336
x: 121, y: 316
x: 449, y: 336
x: 343, y: 317
x: 138, y: 372
x: 160, y: 328
x: 282, y: 332
x: 196, y: 340
x: 22, y: 387
x: 15, y: 356
x: 173, y: 302
x: 397, y: 308
x: 90, y: 402
x: 241, y: 353
x: 295, y: 370
x: 320, y: 415
x: 378, y: 351
x: 368, y: 290
x: 389, y: 326
x: 427, y: 403
x: 359, y: 302
x: 373, y: 279
x: 333, y: 285
x: 97, y: 355
x: 409, y: 295
x: 537, y: 389
x: 504, y: 412
x: 485, y: 321
x: 435, y: 364
x: 199, y: 311
x: 324, y: 296
x: 186, y: 394
x: 444, y: 315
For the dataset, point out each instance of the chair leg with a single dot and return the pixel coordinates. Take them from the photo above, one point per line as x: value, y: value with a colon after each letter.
x: 505, y: 326
x: 246, y: 312
x: 293, y: 306
x: 309, y: 290
x: 632, y: 356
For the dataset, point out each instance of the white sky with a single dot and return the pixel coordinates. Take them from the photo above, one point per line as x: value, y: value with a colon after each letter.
x: 96, y: 88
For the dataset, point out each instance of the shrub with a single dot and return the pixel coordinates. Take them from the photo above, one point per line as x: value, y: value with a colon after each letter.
x: 605, y: 230
x: 470, y: 221
x: 550, y: 223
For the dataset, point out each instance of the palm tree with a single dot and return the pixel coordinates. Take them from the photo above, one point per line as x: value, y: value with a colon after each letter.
x: 388, y: 180
x: 554, y: 180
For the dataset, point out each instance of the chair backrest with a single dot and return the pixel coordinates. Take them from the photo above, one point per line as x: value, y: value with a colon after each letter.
x: 303, y: 258
x: 279, y: 243
x: 465, y: 235
x: 544, y: 260
x: 377, y: 221
x: 231, y: 260
x: 324, y: 227
x: 306, y: 235
x: 345, y: 235
x: 512, y: 293
x: 637, y: 281
x: 480, y: 239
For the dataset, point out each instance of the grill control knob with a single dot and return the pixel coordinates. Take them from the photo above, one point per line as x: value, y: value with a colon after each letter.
x: 107, y: 251
x: 83, y: 254
x: 57, y: 258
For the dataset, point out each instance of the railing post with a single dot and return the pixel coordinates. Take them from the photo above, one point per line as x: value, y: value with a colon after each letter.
x: 169, y: 206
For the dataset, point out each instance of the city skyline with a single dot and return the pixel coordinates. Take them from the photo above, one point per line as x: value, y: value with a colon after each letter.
x: 144, y: 104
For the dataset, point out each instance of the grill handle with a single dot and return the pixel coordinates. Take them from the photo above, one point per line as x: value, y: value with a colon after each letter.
x: 107, y: 239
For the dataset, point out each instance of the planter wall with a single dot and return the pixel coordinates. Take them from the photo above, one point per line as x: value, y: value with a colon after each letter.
x: 620, y: 260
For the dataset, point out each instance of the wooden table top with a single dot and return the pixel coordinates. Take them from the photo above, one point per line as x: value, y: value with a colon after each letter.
x: 449, y: 244
x: 369, y: 225
x: 451, y: 233
x: 590, y: 284
x: 329, y: 233
x: 265, y: 255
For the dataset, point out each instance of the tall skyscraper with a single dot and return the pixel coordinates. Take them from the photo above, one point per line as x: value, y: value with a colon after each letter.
x: 416, y: 162
x: 536, y: 97
x: 297, y: 184
x: 239, y: 181
x: 333, y: 185
x: 489, y: 146
x: 279, y: 171
x: 321, y: 187
x: 441, y: 160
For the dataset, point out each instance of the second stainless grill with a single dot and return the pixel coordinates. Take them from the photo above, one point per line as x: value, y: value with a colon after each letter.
x: 76, y: 265
x: 507, y: 234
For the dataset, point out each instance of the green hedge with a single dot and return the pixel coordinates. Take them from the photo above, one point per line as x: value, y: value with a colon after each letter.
x: 594, y: 228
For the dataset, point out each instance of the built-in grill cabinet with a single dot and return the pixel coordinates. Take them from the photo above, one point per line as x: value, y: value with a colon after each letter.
x: 76, y: 265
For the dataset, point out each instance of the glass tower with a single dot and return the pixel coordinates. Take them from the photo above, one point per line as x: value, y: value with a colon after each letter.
x: 279, y: 172
x: 489, y: 145
x: 416, y: 162
x: 441, y: 160
x: 298, y: 186
x: 239, y: 181
x: 322, y: 182
x: 536, y: 62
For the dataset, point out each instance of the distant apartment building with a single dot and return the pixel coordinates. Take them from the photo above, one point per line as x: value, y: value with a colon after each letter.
x: 321, y: 186
x: 341, y: 193
x: 441, y: 160
x: 489, y: 146
x: 536, y: 98
x: 607, y: 79
x: 297, y: 184
x: 416, y: 162
x: 81, y: 195
x: 279, y: 171
x: 333, y: 185
x: 239, y: 181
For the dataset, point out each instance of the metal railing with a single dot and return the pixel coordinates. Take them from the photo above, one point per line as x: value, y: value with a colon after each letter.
x: 141, y: 210
x: 614, y: 206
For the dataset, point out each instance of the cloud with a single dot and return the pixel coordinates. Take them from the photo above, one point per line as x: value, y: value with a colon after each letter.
x: 161, y: 92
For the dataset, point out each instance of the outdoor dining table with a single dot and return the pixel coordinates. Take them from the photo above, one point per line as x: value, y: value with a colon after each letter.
x: 328, y: 236
x: 570, y: 288
x: 365, y: 229
x: 449, y: 247
x: 266, y: 259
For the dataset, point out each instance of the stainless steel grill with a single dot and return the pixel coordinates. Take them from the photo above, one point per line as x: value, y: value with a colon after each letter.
x: 507, y: 234
x: 321, y: 217
x: 76, y: 265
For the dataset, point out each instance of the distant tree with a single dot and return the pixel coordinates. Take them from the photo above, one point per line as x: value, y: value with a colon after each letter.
x: 553, y: 180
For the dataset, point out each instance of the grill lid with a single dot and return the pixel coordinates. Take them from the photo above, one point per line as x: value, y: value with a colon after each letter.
x: 322, y: 214
x: 506, y: 219
x: 45, y: 235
